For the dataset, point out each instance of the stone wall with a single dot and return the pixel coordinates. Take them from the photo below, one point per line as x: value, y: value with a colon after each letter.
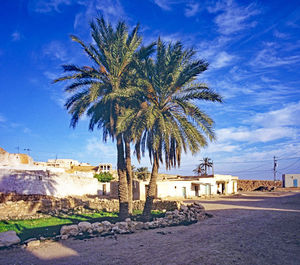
x: 15, y: 206
x: 14, y: 159
x: 251, y: 185
x: 51, y: 181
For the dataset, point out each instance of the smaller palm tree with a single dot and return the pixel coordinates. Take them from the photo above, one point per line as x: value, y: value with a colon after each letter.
x: 203, y: 167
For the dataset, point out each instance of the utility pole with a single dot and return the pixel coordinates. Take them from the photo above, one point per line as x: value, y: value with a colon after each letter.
x: 275, y: 167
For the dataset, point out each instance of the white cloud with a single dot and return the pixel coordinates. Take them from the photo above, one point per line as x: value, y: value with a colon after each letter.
x: 111, y: 10
x: 166, y: 4
x: 246, y: 134
x: 191, y: 9
x: 50, y: 75
x: 16, y: 36
x: 279, y: 35
x: 222, y: 59
x: 268, y: 57
x: 221, y: 147
x: 98, y: 148
x: 233, y: 18
x: 55, y: 50
x: 46, y: 6
x: 286, y: 116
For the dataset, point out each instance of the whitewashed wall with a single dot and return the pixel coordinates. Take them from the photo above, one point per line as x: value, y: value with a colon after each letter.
x: 49, y: 182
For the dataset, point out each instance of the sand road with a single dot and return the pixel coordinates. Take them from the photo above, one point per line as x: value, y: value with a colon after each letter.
x: 254, y: 228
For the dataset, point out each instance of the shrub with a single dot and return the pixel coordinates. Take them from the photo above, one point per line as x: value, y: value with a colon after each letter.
x: 104, y: 177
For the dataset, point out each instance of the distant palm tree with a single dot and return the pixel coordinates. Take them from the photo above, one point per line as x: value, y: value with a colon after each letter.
x: 167, y: 121
x: 203, y: 167
x: 94, y: 89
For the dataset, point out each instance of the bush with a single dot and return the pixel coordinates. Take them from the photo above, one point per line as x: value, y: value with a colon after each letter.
x: 104, y: 177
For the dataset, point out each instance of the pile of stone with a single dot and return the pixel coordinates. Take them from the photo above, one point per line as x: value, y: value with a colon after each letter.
x: 186, y: 214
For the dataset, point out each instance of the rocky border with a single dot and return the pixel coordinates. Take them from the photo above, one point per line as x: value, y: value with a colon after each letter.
x: 187, y: 214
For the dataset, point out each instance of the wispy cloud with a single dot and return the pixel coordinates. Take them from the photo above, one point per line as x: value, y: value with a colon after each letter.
x: 222, y: 59
x: 286, y: 116
x: 16, y: 36
x: 167, y: 4
x: 55, y: 50
x: 280, y: 35
x: 191, y: 9
x: 268, y: 57
x: 111, y: 10
x: 233, y: 18
x: 246, y: 134
x: 46, y: 6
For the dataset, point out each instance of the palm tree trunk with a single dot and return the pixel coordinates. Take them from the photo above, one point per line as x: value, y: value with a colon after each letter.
x: 123, y: 189
x: 151, y: 191
x: 128, y: 175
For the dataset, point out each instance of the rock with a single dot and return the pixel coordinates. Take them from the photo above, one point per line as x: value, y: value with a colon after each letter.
x: 29, y: 240
x: 70, y: 230
x: 9, y: 238
x: 42, y: 238
x: 138, y: 225
x: 85, y: 227
x: 34, y: 243
x: 127, y: 220
x: 64, y: 237
x: 183, y: 208
x: 175, y: 212
x: 146, y: 226
x: 97, y: 227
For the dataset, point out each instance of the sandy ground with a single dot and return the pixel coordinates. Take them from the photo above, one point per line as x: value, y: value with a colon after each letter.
x: 255, y: 228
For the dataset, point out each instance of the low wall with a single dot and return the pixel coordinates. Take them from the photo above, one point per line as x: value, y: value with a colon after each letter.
x: 15, y: 206
x: 49, y: 182
x: 251, y: 185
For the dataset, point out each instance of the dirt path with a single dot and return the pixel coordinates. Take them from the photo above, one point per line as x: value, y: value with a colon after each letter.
x: 256, y: 228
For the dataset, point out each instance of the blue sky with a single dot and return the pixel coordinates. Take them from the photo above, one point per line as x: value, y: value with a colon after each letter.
x: 254, y: 53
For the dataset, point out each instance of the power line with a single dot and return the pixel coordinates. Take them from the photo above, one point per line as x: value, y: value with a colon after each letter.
x: 290, y: 165
x: 254, y: 161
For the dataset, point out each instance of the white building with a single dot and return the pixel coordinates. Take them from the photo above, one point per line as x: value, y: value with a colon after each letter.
x: 291, y: 180
x: 189, y: 187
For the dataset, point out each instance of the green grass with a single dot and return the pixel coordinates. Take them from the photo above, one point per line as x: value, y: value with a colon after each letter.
x: 50, y: 226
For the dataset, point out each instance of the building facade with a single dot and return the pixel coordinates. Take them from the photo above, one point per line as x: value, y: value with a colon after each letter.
x: 291, y: 180
x: 189, y: 187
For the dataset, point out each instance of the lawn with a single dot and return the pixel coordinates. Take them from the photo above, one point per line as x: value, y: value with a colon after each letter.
x: 50, y: 226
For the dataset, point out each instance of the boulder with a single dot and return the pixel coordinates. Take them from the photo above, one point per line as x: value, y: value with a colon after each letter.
x: 97, y: 227
x: 85, y: 227
x: 9, y: 238
x: 70, y: 230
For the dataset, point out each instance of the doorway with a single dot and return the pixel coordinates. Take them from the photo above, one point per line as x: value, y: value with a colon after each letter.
x: 184, y: 192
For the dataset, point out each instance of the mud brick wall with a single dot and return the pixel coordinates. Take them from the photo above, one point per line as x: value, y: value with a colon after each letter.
x: 251, y: 185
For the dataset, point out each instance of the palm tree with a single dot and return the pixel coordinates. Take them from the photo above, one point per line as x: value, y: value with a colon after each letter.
x: 203, y: 167
x: 94, y: 89
x: 167, y: 121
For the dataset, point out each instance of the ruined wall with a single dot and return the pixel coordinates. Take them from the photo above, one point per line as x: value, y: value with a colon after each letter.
x: 48, y: 182
x: 7, y: 159
x: 251, y: 185
x: 15, y: 206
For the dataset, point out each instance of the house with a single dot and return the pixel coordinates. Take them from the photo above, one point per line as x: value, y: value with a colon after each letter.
x: 291, y: 180
x: 188, y: 187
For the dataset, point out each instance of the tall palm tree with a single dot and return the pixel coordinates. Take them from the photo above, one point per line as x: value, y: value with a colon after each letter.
x: 167, y: 121
x: 203, y: 167
x: 94, y: 89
